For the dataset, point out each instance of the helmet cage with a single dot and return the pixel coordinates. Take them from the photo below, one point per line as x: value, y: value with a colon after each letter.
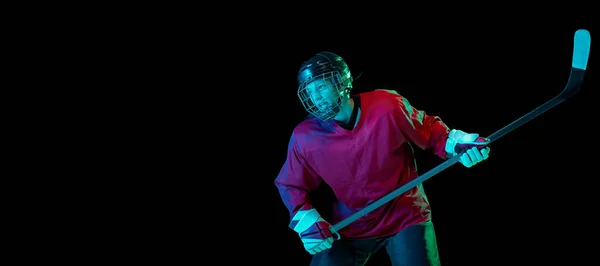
x: 340, y: 90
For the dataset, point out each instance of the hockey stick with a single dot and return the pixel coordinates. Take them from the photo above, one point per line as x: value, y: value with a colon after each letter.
x: 581, y: 50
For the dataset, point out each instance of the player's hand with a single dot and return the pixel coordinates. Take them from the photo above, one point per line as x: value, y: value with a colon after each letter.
x: 317, y: 238
x: 313, y: 230
x: 472, y: 144
x: 474, y: 155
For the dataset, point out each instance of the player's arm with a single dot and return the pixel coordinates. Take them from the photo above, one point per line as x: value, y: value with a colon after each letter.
x: 295, y: 181
x: 431, y: 133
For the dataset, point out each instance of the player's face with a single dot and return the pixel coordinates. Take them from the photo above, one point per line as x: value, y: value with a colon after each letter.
x: 324, y: 94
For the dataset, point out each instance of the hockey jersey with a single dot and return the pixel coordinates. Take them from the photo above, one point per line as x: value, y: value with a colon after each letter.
x: 364, y: 164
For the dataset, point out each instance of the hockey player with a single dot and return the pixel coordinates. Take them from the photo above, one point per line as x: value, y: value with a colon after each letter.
x: 361, y: 145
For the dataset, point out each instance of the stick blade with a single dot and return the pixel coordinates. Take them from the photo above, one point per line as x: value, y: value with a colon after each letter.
x: 581, y: 53
x: 581, y: 49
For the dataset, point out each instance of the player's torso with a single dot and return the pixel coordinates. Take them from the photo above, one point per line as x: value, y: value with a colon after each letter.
x: 363, y: 163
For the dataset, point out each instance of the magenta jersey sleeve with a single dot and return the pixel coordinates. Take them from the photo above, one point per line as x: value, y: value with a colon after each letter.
x: 296, y: 179
x: 425, y: 131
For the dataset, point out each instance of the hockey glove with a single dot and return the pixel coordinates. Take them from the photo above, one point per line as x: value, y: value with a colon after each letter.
x: 472, y: 144
x: 313, y: 230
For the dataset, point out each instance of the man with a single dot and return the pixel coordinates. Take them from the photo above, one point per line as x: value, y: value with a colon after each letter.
x: 362, y: 147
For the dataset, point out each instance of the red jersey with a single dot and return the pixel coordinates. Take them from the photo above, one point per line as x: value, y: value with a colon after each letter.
x: 364, y: 164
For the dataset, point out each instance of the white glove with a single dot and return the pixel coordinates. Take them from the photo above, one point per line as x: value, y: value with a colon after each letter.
x: 313, y: 230
x: 474, y: 146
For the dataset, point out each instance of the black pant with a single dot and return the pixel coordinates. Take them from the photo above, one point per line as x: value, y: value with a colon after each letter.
x: 413, y: 246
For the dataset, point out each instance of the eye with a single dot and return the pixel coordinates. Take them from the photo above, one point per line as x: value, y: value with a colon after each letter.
x: 323, y: 87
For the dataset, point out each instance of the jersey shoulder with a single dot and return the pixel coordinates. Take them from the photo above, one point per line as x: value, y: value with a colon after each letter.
x: 307, y: 126
x: 382, y: 98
